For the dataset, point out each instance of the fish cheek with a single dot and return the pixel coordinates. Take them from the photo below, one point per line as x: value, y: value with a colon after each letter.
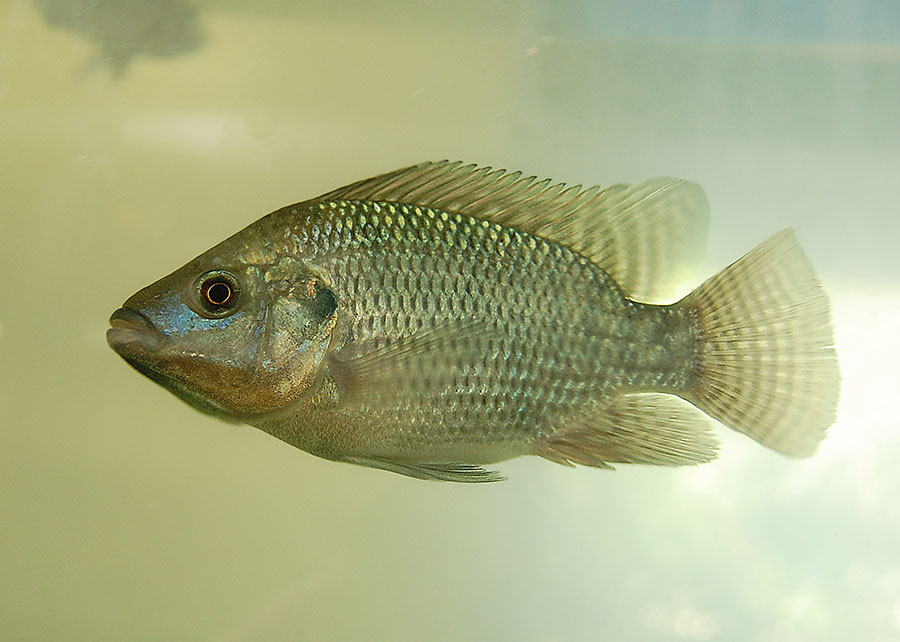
x: 209, y: 364
x: 240, y: 378
x: 263, y: 362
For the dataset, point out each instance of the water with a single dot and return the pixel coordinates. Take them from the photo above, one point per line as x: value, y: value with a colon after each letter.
x: 134, y: 140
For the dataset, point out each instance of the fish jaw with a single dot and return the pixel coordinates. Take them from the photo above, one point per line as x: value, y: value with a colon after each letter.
x: 134, y: 338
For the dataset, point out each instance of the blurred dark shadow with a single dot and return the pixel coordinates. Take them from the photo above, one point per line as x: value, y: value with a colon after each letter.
x: 124, y: 29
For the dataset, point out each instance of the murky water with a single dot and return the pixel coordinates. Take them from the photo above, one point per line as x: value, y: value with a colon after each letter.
x: 134, y: 137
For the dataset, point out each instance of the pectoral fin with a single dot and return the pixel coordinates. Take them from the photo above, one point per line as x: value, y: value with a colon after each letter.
x: 422, y: 364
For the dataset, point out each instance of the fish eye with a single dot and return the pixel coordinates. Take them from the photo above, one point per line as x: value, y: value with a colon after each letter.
x: 217, y: 293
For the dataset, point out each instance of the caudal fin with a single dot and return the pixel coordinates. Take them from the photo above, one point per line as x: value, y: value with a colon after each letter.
x: 767, y: 365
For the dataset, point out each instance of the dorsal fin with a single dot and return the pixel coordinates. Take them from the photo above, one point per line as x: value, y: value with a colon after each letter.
x: 648, y: 237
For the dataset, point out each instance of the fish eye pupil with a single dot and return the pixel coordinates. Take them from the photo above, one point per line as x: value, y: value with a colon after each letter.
x: 218, y: 293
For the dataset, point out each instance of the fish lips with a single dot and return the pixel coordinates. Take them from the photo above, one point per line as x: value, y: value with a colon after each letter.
x: 132, y: 334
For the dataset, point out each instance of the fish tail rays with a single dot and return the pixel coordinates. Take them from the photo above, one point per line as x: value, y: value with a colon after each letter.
x: 766, y: 365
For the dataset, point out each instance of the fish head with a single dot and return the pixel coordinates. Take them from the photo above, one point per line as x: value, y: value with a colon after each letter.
x: 235, y: 338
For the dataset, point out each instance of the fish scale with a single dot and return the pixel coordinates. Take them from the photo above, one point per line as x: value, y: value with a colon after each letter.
x: 561, y: 338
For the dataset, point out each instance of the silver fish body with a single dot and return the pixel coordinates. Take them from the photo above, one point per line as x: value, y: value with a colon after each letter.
x: 442, y: 317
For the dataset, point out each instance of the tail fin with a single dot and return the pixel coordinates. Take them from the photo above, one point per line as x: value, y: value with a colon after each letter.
x: 767, y: 366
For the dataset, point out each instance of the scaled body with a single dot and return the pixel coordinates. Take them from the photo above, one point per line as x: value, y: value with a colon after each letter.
x: 442, y: 317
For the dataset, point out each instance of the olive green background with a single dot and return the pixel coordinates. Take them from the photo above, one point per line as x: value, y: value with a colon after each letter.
x: 130, y: 141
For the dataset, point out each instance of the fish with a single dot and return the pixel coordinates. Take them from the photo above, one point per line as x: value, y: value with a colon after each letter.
x: 443, y: 317
x: 126, y: 29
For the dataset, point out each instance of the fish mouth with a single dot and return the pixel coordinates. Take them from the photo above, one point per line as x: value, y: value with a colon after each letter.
x: 134, y: 337
x: 132, y: 333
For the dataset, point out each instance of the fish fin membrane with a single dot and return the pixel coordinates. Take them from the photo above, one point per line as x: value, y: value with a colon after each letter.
x: 640, y: 428
x: 455, y: 472
x: 649, y: 237
x: 766, y: 365
x: 423, y: 364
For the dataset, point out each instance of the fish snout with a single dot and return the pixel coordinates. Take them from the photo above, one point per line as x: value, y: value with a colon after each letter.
x: 130, y: 330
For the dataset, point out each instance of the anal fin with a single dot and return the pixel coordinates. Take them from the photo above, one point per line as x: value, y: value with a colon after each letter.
x: 639, y: 428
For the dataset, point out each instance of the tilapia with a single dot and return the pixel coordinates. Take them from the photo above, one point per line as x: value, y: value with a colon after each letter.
x: 443, y: 317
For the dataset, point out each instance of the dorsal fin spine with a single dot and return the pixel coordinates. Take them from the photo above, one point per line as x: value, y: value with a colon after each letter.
x: 642, y: 236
